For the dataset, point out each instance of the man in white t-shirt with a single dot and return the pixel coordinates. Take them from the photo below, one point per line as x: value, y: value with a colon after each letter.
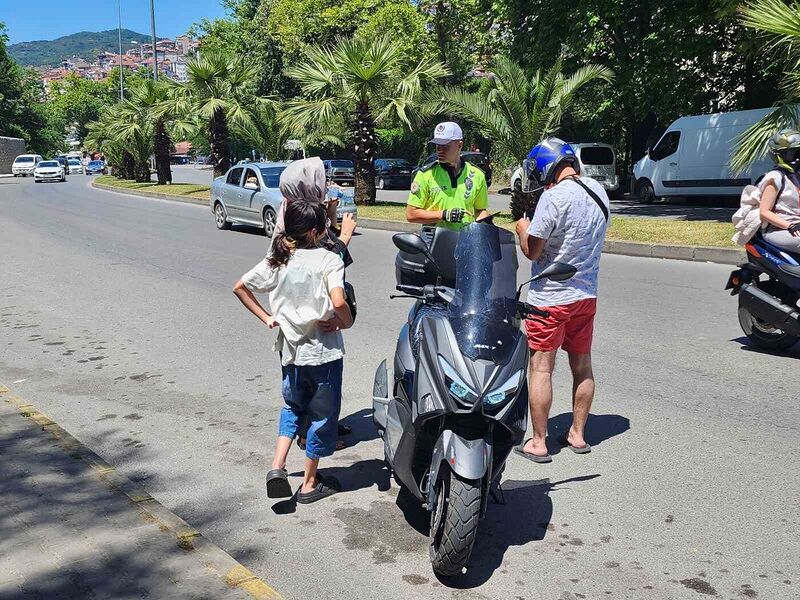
x: 569, y: 225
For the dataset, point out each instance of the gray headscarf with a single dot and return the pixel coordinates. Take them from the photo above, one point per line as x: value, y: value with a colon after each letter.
x: 304, y: 180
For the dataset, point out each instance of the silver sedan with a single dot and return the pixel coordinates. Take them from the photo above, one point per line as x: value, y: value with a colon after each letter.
x: 248, y: 194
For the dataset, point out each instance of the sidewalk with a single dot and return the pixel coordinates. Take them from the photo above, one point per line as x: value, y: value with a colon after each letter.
x: 68, y: 531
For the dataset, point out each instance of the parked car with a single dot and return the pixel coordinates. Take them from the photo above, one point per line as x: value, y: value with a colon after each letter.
x: 75, y: 166
x: 25, y: 164
x: 95, y: 166
x: 479, y: 159
x: 393, y: 172
x: 597, y: 161
x: 692, y: 158
x: 49, y: 170
x: 340, y: 171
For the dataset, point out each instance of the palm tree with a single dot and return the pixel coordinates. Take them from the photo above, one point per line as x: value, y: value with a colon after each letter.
x: 101, y: 137
x: 220, y: 94
x: 781, y: 24
x: 151, y: 99
x: 518, y: 110
x: 359, y: 82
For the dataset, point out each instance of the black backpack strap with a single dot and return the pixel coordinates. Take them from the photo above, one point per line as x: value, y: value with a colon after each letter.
x: 593, y: 196
x: 783, y: 184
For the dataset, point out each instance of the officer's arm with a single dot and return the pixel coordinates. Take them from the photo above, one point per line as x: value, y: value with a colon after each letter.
x: 417, y: 200
x: 422, y: 216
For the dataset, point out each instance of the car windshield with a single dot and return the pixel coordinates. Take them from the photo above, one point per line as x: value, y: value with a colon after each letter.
x: 484, y: 309
x: 96, y: 163
x: 74, y: 161
x: 272, y: 176
x: 600, y: 155
x: 342, y: 164
x: 24, y: 159
x: 49, y: 163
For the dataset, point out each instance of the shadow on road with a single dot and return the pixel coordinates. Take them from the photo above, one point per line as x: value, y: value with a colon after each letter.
x: 363, y: 427
x: 599, y: 428
x: 748, y: 346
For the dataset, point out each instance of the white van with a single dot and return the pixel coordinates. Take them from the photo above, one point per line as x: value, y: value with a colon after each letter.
x: 598, y: 161
x: 692, y: 158
x: 25, y: 164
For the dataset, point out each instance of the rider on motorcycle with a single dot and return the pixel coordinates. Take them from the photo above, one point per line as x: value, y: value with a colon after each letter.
x: 780, y: 199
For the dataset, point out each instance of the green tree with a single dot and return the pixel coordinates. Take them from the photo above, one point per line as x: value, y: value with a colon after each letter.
x: 780, y: 23
x: 219, y: 94
x: 77, y: 101
x: 151, y: 99
x: 360, y: 82
x: 517, y: 110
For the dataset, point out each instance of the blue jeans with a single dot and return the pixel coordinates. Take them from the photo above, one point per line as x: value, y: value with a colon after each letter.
x: 315, y: 392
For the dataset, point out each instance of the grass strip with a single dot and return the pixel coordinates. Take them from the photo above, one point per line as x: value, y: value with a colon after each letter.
x: 623, y: 229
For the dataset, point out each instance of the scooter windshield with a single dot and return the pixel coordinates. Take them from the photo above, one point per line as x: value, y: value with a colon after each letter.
x: 483, y: 312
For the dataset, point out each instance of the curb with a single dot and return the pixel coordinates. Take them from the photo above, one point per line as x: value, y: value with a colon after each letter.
x: 227, y: 568
x: 726, y: 256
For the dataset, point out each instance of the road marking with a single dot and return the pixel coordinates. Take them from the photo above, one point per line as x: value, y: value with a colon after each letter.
x: 232, y: 572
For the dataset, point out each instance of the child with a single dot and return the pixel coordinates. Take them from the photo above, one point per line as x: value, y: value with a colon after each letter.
x: 305, y: 286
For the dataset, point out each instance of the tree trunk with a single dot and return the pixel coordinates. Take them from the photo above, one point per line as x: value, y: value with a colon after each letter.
x: 220, y: 144
x: 162, y: 145
x: 142, y: 172
x: 364, y: 148
x: 128, y: 165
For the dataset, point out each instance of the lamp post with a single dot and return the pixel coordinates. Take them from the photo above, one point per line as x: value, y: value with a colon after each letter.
x: 119, y: 36
x: 153, y: 31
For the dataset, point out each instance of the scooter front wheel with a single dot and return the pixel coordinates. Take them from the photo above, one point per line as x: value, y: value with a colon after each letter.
x: 454, y: 523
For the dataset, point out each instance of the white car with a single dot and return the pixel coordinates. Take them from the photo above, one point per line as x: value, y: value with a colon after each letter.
x: 24, y: 164
x: 75, y: 166
x: 49, y: 170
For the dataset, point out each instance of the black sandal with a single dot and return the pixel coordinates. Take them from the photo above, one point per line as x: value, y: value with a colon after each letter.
x: 278, y: 484
x: 326, y: 486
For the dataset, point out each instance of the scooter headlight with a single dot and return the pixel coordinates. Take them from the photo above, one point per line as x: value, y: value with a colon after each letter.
x: 504, y: 392
x: 455, y: 385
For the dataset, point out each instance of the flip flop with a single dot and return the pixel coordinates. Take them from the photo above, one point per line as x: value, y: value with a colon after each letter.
x: 340, y: 444
x: 326, y: 486
x: 278, y: 484
x: 518, y: 450
x: 582, y: 450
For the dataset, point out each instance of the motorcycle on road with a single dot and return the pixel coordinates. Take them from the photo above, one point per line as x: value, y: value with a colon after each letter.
x: 768, y: 286
x: 455, y: 403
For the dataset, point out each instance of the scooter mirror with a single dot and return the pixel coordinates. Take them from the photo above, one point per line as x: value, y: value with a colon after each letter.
x: 558, y: 271
x: 410, y: 242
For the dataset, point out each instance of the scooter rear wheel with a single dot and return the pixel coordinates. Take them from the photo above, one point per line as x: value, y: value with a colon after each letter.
x: 454, y: 523
x: 764, y: 335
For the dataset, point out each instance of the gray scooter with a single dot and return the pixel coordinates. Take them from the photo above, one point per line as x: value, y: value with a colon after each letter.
x: 455, y: 403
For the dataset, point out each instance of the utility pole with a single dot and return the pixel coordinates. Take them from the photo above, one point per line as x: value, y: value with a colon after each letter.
x: 119, y: 35
x: 153, y: 31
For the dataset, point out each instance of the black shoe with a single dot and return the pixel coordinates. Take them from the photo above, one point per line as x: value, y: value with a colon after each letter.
x: 278, y: 484
x: 326, y: 486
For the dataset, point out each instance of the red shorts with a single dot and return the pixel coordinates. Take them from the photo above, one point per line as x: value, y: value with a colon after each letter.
x: 569, y: 326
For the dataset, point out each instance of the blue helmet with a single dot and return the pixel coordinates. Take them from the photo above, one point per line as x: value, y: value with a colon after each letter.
x: 543, y: 160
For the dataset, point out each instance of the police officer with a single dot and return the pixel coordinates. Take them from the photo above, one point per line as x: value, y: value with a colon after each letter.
x: 450, y: 192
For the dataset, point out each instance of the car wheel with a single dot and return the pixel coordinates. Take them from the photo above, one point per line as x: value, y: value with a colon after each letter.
x: 381, y: 183
x: 221, y: 217
x: 647, y: 195
x: 270, y: 220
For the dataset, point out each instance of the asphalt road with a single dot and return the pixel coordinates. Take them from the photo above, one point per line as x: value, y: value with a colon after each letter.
x: 117, y: 320
x: 683, y: 209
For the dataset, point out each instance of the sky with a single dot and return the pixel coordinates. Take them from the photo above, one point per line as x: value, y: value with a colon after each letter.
x: 50, y: 19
